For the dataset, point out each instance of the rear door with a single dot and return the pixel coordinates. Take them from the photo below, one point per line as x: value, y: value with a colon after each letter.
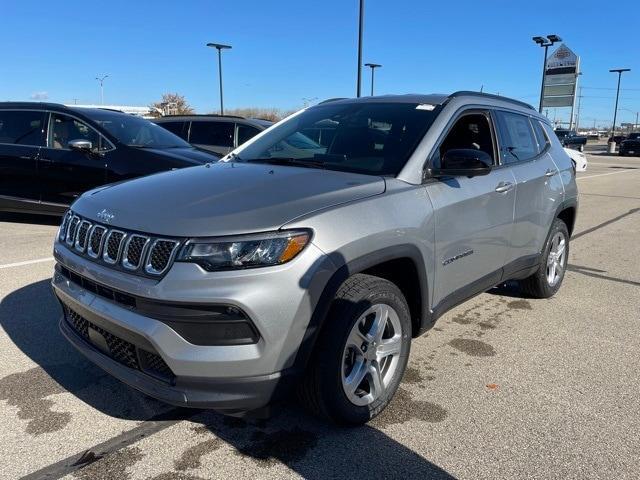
x: 21, y: 137
x: 67, y: 173
x: 473, y: 216
x: 524, y: 149
x: 217, y: 137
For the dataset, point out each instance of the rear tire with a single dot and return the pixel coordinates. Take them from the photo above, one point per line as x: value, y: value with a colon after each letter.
x: 546, y: 281
x: 353, y: 374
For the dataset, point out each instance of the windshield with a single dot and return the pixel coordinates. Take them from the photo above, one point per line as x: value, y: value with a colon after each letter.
x: 136, y: 131
x: 362, y: 137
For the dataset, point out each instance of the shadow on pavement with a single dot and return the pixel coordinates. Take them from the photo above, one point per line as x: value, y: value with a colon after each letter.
x: 29, y: 218
x: 30, y: 317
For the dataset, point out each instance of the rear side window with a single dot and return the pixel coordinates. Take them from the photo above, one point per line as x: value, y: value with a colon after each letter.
x: 541, y: 137
x: 21, y: 127
x: 212, y: 133
x: 245, y: 133
x: 177, y: 128
x: 517, y: 140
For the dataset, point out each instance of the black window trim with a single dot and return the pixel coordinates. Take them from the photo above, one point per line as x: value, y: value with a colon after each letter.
x: 531, y: 118
x: 43, y: 131
x: 48, y: 123
x: 461, y: 112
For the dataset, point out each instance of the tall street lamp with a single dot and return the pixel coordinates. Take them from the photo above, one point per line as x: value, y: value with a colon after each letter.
x: 360, y: 29
x: 100, y: 79
x: 545, y: 42
x: 219, y: 47
x: 372, y: 66
x: 619, y: 71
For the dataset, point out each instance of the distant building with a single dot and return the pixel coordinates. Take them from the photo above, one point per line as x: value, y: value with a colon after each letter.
x: 144, y: 112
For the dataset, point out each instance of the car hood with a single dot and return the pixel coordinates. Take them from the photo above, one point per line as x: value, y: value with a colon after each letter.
x: 196, y: 157
x: 224, y: 198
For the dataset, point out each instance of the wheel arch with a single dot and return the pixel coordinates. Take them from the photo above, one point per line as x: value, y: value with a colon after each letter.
x: 404, y: 265
x: 567, y: 212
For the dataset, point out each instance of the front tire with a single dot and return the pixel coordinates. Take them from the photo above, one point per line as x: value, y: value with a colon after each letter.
x: 546, y: 281
x: 361, y: 354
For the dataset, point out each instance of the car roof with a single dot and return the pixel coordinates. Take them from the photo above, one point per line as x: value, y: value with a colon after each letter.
x: 439, y: 99
x: 88, y: 111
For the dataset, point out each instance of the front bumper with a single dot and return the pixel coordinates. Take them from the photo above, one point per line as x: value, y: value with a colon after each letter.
x: 227, y: 378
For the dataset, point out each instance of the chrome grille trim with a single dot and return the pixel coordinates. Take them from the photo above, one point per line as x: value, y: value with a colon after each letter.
x: 125, y: 258
x: 63, y: 228
x: 95, y: 231
x: 105, y: 254
x: 72, y: 229
x: 137, y: 253
x: 155, y: 246
x: 83, y: 236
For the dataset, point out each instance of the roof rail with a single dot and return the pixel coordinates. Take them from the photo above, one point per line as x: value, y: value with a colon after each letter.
x: 462, y: 93
x: 202, y: 115
x: 332, y: 100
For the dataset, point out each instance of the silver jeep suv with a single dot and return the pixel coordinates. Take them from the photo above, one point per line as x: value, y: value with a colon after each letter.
x: 224, y: 285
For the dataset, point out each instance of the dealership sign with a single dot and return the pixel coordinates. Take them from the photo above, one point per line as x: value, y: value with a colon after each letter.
x: 560, y: 78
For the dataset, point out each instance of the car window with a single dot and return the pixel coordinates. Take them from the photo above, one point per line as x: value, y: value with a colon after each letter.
x: 21, y: 127
x: 63, y: 129
x: 372, y: 138
x: 212, y: 133
x: 245, y: 132
x: 517, y: 140
x: 541, y: 137
x: 177, y: 128
x: 471, y: 131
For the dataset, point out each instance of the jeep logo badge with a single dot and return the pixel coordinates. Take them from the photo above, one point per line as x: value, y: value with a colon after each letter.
x: 105, y: 215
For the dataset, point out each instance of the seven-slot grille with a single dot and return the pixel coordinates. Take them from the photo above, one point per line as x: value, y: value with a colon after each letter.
x: 118, y: 248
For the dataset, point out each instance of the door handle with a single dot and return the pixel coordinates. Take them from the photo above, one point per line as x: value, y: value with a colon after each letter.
x: 45, y: 160
x: 504, y: 187
x: 550, y: 172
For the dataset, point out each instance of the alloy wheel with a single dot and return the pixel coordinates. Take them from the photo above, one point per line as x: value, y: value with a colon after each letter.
x: 371, y: 354
x: 556, y: 261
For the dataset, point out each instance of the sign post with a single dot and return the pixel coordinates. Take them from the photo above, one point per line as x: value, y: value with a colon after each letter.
x: 561, y: 79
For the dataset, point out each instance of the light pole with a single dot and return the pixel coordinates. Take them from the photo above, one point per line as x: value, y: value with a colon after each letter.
x: 545, y: 42
x: 619, y: 71
x: 372, y: 66
x: 100, y: 78
x: 360, y: 29
x: 219, y: 47
x: 635, y: 125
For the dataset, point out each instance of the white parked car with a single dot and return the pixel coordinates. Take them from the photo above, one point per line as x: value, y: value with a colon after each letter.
x: 579, y: 159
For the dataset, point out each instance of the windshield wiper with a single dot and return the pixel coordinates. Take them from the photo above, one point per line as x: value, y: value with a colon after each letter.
x: 299, y: 162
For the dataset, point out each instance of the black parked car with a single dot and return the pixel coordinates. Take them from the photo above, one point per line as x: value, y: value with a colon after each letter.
x: 216, y: 133
x: 50, y: 154
x: 631, y: 145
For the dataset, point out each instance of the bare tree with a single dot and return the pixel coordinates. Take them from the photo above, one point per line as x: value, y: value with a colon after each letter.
x: 171, y: 104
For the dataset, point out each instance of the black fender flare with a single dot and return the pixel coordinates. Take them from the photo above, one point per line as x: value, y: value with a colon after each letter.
x: 346, y: 270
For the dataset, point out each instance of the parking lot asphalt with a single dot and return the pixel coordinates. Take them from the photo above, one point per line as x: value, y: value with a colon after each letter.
x: 503, y: 387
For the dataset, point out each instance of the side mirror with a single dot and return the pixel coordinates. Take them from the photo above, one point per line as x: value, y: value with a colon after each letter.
x: 81, y: 145
x: 465, y: 162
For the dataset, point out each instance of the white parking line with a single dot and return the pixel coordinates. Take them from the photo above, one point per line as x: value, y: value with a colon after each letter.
x: 604, y: 174
x: 26, y: 262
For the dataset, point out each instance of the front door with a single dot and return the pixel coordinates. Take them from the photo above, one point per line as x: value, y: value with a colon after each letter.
x: 473, y: 216
x: 67, y: 173
x: 21, y: 136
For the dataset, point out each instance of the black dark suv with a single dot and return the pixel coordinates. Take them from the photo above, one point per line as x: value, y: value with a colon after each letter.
x: 50, y: 153
x: 216, y: 133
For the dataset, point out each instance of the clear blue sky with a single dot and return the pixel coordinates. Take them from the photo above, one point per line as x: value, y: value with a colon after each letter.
x: 290, y: 49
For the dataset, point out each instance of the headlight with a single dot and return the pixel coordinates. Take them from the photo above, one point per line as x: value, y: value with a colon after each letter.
x: 247, y: 251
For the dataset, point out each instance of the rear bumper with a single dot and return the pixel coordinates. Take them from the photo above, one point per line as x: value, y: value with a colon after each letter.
x: 227, y: 395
